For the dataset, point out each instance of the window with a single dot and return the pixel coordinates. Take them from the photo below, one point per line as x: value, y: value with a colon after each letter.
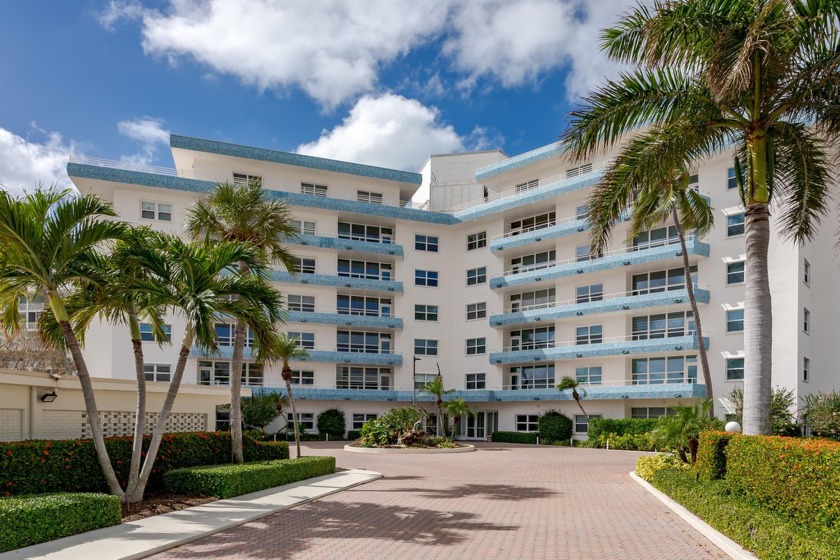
x: 225, y: 333
x: 735, y: 320
x: 694, y: 182
x: 213, y: 373
x: 244, y: 179
x: 363, y: 232
x: 735, y: 272
x: 806, y: 370
x: 303, y: 228
x: 531, y: 339
x: 662, y: 325
x: 532, y: 262
x: 369, y: 270
x: 655, y: 238
x: 593, y: 334
x: 476, y: 346
x: 303, y: 265
x: 660, y: 370
x: 582, y: 253
x: 360, y: 419
x: 731, y: 180
x: 425, y: 312
x: 806, y: 320
x: 581, y: 212
x: 476, y: 311
x: 475, y: 381
x: 586, y: 294
x: 421, y: 379
x: 426, y: 243
x: 369, y: 197
x: 363, y: 305
x: 527, y: 422
x: 147, y: 333
x: 222, y: 419
x: 735, y: 225
x: 532, y: 223
x: 425, y: 347
x: 302, y: 377
x: 252, y: 374
x: 661, y: 281
x: 582, y: 424
x: 651, y: 412
x: 591, y: 375
x: 533, y: 376
x: 358, y: 377
x: 306, y: 421
x: 314, y: 190
x: 476, y: 276
x: 806, y: 272
x: 426, y: 278
x: 576, y: 171
x: 527, y: 186
x: 304, y: 339
x: 301, y: 303
x: 734, y: 369
x: 157, y: 372
x: 156, y: 211
x: 30, y: 311
x: 532, y: 300
x: 476, y: 241
x: 364, y: 342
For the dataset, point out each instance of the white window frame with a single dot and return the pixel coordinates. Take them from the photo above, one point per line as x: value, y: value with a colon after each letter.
x: 364, y: 342
x: 245, y: 179
x: 426, y: 347
x: 427, y: 278
x: 477, y: 276
x: 304, y: 339
x: 427, y: 243
x: 382, y: 307
x: 313, y: 189
x: 303, y: 265
x: 424, y: 312
x: 363, y: 377
x: 594, y: 292
x: 303, y: 227
x: 476, y: 346
x: 589, y: 334
x: 740, y: 227
x: 806, y: 272
x: 730, y: 322
x: 302, y: 377
x: 360, y: 418
x: 476, y: 311
x: 306, y: 420
x: 590, y: 375
x: 157, y: 372
x: 301, y: 303
x: 534, y: 261
x: 528, y: 185
x: 158, y: 210
x: 583, y: 421
x: 475, y: 381
x: 806, y: 369
x: 731, y: 368
x: 532, y: 223
x: 527, y: 422
x: 365, y: 232
x: 383, y: 271
x: 730, y: 273
x: 369, y: 197
x: 806, y: 320
x: 476, y: 240
x: 147, y: 333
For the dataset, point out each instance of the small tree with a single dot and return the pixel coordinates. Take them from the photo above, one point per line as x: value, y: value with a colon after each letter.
x: 570, y: 383
x: 332, y: 422
x: 261, y: 410
x: 822, y: 413
x: 435, y: 388
x: 286, y: 349
x: 782, y: 418
x: 458, y: 408
x: 681, y: 432
x: 555, y: 426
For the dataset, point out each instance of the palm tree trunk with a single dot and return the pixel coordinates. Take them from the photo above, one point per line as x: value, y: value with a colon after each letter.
x: 698, y: 329
x: 758, y: 322
x: 287, y: 377
x: 140, y: 412
x: 237, y: 455
x: 576, y: 396
x: 57, y: 306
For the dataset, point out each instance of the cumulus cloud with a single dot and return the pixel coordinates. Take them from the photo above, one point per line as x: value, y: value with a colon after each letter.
x: 26, y: 163
x: 388, y: 131
x: 149, y: 132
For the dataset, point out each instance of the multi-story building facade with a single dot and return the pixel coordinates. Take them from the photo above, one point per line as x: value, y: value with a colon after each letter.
x: 490, y: 282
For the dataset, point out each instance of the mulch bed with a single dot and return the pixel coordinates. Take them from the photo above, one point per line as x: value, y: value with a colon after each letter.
x: 158, y: 503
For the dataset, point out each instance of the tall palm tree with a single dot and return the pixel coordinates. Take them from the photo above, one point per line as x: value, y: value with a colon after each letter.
x: 435, y: 388
x: 246, y: 214
x: 47, y: 239
x: 654, y: 200
x: 570, y: 383
x: 285, y: 349
x: 458, y: 408
x: 760, y: 75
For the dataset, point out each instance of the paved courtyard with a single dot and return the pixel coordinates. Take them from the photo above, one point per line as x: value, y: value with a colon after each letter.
x: 502, y: 501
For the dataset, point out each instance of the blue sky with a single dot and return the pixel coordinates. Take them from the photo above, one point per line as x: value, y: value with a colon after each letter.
x: 383, y: 82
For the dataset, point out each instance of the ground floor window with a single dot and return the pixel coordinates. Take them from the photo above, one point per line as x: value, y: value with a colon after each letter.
x: 527, y: 422
x: 360, y: 419
x: 306, y: 421
x: 651, y: 412
x: 157, y: 372
x: 222, y: 418
x: 582, y: 424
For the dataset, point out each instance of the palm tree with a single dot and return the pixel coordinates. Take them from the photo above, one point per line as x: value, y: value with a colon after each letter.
x: 570, y: 383
x: 435, y: 388
x: 242, y: 213
x: 760, y: 75
x: 286, y: 349
x: 681, y: 431
x: 458, y: 408
x: 47, y: 240
x: 654, y: 200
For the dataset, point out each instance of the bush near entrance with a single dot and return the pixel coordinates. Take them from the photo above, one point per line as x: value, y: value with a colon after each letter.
x: 554, y: 426
x: 514, y: 437
x: 331, y: 421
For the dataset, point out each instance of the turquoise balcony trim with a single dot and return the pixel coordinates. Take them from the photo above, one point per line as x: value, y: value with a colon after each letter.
x: 521, y: 160
x: 367, y: 209
x: 615, y: 305
x: 323, y: 356
x: 337, y: 281
x: 345, y: 320
x: 628, y: 347
x: 605, y: 263
x: 348, y: 245
x: 553, y: 232
x: 288, y: 158
x: 143, y: 178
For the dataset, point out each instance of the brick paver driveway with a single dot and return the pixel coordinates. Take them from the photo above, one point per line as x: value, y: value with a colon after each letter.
x: 502, y: 501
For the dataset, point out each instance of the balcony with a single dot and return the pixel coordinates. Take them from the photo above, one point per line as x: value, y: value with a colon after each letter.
x: 345, y: 319
x: 334, y: 280
x: 557, y: 229
x: 622, y: 257
x: 355, y: 245
x: 610, y: 303
x: 331, y: 356
x: 617, y: 346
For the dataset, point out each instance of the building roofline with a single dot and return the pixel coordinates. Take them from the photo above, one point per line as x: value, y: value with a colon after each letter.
x: 521, y: 160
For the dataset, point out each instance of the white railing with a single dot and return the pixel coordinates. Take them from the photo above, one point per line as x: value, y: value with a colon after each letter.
x: 602, y: 297
x: 301, y: 276
x: 613, y: 383
x: 574, y: 343
x: 344, y: 312
x: 547, y: 225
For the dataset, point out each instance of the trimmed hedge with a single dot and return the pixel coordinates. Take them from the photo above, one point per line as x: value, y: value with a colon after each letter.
x: 554, y: 426
x: 514, y: 437
x: 42, y: 466
x: 769, y: 535
x: 648, y: 465
x: 227, y: 481
x: 353, y: 435
x: 794, y: 477
x: 28, y: 520
x: 331, y: 421
x: 711, y: 455
x: 619, y: 426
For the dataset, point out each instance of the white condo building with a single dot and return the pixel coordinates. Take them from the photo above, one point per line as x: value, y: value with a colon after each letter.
x: 491, y: 280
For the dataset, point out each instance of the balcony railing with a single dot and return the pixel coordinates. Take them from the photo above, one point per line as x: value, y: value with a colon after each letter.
x: 523, y: 231
x: 574, y: 343
x: 539, y: 384
x: 604, y: 297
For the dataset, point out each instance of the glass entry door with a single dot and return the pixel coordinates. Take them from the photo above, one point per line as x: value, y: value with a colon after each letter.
x: 479, y: 426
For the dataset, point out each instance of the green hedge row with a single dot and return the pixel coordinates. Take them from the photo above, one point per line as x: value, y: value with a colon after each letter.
x: 514, y: 437
x: 711, y: 455
x: 42, y: 466
x: 798, y: 478
x: 227, y: 481
x: 353, y: 435
x: 619, y: 426
x: 29, y: 520
x: 769, y: 535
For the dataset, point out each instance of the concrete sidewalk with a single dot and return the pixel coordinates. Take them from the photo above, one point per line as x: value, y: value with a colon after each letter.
x: 145, y: 537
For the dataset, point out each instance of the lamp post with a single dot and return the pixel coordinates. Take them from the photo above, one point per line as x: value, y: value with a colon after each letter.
x: 414, y: 383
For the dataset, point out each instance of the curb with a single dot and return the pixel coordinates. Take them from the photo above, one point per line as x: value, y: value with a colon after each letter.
x: 724, y: 543
x: 408, y: 450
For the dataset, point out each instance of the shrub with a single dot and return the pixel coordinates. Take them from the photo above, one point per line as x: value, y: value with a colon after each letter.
x: 770, y: 536
x: 42, y: 466
x: 554, y: 426
x: 791, y: 476
x: 387, y: 429
x: 822, y: 414
x: 441, y: 443
x: 227, y: 481
x: 681, y: 431
x: 332, y: 422
x: 353, y: 435
x: 28, y: 520
x: 514, y: 437
x: 711, y: 455
x: 648, y: 465
x: 782, y: 401
x: 620, y: 426
x: 628, y: 442
x: 305, y: 436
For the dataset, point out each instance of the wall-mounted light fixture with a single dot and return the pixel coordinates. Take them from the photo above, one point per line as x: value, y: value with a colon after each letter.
x: 49, y: 397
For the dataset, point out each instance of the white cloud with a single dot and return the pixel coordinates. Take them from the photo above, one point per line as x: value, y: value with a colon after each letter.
x: 25, y: 163
x: 149, y: 132
x: 388, y: 131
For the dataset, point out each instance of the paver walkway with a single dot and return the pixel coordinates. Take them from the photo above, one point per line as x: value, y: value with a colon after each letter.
x: 503, y: 501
